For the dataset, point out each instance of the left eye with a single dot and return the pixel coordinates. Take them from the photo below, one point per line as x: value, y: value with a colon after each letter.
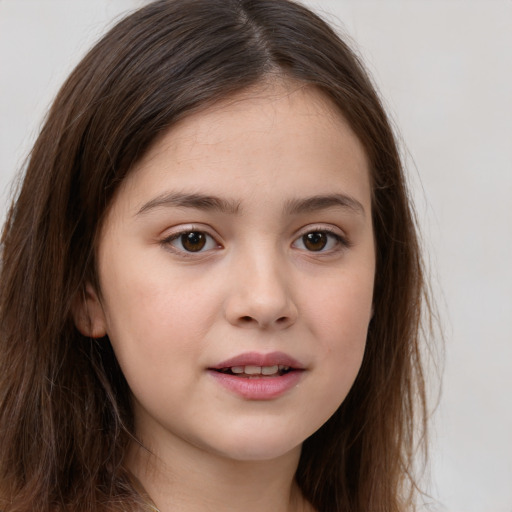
x: 192, y: 241
x: 318, y: 241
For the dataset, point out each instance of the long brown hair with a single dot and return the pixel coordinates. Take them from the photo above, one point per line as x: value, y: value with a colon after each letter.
x: 65, y: 416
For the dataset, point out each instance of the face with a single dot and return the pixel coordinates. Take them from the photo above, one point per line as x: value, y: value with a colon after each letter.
x: 236, y: 269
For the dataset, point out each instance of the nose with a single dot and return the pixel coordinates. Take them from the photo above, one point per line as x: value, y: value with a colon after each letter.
x: 260, y: 295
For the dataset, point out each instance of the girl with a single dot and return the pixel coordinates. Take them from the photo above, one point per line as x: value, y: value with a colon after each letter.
x: 211, y: 282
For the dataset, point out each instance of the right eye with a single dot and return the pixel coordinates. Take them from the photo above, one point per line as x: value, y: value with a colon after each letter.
x: 191, y: 241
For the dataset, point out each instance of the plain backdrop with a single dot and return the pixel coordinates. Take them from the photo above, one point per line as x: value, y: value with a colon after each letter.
x: 445, y: 71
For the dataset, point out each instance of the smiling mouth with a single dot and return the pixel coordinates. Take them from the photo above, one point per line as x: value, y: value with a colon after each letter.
x: 252, y: 371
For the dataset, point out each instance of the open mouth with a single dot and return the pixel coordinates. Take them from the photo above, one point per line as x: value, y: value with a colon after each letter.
x: 251, y: 371
x: 257, y: 376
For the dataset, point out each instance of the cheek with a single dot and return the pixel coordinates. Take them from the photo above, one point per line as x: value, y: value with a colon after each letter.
x: 341, y: 312
x: 156, y: 319
x: 154, y: 342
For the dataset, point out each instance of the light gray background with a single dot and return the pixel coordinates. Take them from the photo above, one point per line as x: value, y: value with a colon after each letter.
x: 445, y: 71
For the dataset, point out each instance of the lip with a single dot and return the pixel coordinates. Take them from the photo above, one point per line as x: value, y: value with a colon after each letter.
x: 257, y: 359
x: 259, y: 387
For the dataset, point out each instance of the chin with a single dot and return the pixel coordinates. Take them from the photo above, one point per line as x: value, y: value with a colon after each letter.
x: 256, y: 448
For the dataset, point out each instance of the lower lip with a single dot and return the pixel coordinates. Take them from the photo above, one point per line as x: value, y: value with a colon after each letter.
x: 258, y: 388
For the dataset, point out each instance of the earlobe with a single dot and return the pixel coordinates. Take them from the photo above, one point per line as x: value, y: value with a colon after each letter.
x: 88, y: 313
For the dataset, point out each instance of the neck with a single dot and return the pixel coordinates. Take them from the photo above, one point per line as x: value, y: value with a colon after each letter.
x: 193, y: 480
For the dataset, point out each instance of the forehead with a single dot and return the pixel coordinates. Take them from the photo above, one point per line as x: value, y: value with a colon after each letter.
x: 283, y: 132
x: 292, y: 105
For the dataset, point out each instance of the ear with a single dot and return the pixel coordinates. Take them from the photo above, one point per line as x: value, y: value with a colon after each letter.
x: 88, y: 313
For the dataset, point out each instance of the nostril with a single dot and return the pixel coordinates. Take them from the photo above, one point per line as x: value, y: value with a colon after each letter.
x: 246, y: 319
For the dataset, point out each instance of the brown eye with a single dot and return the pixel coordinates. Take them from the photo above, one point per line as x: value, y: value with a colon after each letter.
x: 190, y: 242
x: 193, y: 241
x: 315, y: 241
x: 321, y: 241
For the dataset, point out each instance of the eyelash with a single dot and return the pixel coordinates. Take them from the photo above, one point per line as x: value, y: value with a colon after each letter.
x: 168, y: 242
x: 340, y: 241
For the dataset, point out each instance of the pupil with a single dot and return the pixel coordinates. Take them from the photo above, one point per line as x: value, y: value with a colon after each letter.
x: 193, y: 241
x: 315, y: 241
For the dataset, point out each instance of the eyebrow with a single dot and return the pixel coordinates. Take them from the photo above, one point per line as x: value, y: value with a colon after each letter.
x: 197, y: 201
x: 213, y: 203
x: 323, y: 202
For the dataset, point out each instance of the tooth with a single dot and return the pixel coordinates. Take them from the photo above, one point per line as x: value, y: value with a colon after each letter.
x: 283, y: 368
x: 269, y: 370
x: 253, y: 370
x: 237, y: 369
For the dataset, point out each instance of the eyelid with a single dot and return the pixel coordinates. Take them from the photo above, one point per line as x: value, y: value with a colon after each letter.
x: 343, y: 241
x: 190, y: 228
x: 322, y: 228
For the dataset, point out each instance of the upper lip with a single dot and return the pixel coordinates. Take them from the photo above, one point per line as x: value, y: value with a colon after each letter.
x: 258, y: 359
